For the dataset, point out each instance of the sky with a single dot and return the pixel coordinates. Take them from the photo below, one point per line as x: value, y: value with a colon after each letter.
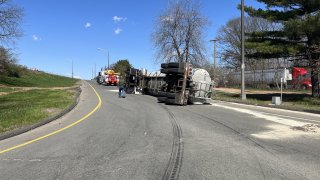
x: 59, y: 32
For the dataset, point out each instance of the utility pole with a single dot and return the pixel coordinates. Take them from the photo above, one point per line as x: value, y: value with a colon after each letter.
x: 95, y: 70
x: 214, y: 61
x: 108, y: 61
x: 104, y: 50
x: 72, y: 69
x: 243, y: 95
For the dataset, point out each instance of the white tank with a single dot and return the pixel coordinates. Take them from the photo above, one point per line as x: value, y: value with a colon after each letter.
x: 202, y: 81
x: 143, y: 71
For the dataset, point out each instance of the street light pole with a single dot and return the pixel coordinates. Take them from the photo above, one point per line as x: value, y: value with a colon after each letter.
x: 72, y: 69
x: 243, y: 95
x: 103, y: 50
x: 214, y: 60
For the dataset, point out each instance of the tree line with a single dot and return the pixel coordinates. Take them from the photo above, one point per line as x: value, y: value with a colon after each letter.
x: 10, y: 20
x: 297, y: 38
x: 281, y: 32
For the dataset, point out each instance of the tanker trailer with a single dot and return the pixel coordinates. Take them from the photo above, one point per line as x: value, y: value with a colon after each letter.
x: 201, y: 88
x: 183, y: 84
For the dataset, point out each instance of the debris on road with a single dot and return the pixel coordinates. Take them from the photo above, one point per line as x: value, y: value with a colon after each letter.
x: 307, y: 128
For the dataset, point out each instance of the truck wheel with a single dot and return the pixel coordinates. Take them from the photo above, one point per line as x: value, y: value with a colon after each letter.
x: 130, y: 90
x: 175, y: 70
x: 171, y: 95
x: 165, y: 71
x: 161, y: 99
x: 173, y: 65
x: 162, y: 94
x: 164, y: 65
x: 170, y: 101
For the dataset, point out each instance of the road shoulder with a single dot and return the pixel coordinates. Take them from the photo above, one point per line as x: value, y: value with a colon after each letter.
x: 84, y: 105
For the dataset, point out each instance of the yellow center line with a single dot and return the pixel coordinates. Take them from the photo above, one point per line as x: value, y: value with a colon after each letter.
x: 59, y: 130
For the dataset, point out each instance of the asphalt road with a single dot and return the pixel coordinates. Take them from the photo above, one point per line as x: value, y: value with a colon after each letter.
x: 138, y: 138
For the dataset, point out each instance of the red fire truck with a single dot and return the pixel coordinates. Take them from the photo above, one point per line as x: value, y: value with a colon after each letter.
x: 108, y: 77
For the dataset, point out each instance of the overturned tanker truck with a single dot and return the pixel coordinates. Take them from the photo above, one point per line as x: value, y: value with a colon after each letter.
x: 175, y: 83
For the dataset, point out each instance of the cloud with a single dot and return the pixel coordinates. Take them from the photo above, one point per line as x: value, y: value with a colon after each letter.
x: 117, y: 19
x: 117, y: 31
x: 87, y: 25
x: 36, y: 38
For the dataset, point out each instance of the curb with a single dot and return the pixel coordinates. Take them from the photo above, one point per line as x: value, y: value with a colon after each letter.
x: 16, y: 132
x: 273, y: 107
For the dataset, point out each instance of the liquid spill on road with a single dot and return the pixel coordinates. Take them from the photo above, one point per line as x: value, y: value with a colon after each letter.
x: 113, y: 90
x: 285, y: 127
x: 284, y: 132
x: 256, y: 114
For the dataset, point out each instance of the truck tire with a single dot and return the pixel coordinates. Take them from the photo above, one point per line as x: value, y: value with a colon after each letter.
x: 175, y: 70
x: 161, y: 94
x: 165, y: 71
x: 171, y: 95
x: 173, y: 65
x: 170, y: 101
x: 164, y: 65
x: 178, y: 71
x: 162, y: 99
x: 130, y: 90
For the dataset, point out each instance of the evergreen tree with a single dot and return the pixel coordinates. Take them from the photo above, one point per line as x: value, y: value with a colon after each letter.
x: 298, y: 38
x: 121, y: 66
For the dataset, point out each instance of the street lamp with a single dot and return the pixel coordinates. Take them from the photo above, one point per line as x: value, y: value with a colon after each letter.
x: 214, y: 60
x: 104, y: 50
x: 243, y: 95
x: 72, y: 69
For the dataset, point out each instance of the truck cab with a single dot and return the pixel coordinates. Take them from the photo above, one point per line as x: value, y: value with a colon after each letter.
x: 301, y: 78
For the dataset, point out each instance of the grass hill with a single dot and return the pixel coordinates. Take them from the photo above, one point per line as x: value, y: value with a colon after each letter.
x: 27, y: 97
x: 30, y: 78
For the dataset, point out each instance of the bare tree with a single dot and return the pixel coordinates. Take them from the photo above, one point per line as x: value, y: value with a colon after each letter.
x: 230, y: 40
x: 178, y: 35
x: 10, y: 20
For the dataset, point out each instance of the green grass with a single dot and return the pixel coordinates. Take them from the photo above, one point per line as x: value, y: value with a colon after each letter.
x: 6, y: 89
x: 301, y: 102
x: 37, y: 79
x: 25, y: 108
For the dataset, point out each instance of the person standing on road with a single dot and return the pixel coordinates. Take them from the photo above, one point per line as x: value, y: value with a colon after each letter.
x: 121, y: 88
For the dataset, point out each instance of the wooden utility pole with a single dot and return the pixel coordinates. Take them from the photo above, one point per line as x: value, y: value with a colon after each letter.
x: 243, y: 95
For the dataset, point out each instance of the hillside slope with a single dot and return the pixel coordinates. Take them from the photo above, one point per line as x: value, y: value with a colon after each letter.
x: 33, y: 96
x: 29, y: 78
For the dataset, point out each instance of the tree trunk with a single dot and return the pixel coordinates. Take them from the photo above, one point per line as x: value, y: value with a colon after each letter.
x: 315, y: 69
x: 315, y: 81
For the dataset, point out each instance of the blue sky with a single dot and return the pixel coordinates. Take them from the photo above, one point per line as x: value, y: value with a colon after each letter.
x: 57, y: 32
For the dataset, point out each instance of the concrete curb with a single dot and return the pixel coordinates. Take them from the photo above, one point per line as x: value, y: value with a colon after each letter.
x: 16, y: 132
x: 273, y: 107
